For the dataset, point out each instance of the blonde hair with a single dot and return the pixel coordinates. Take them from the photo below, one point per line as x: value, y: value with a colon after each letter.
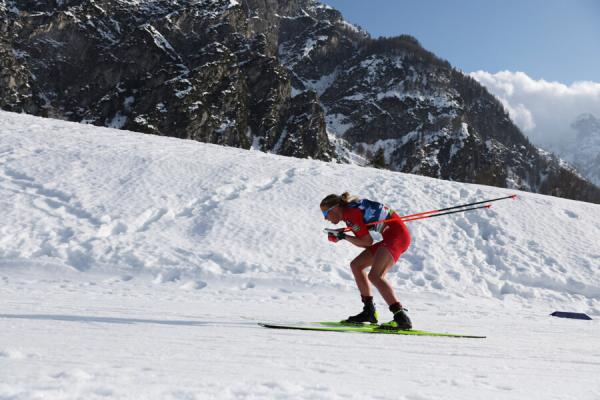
x: 333, y: 200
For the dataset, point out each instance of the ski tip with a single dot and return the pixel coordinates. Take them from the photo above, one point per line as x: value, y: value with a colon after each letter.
x: 513, y: 196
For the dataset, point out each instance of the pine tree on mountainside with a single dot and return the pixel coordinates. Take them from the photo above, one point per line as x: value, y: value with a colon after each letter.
x: 378, y: 160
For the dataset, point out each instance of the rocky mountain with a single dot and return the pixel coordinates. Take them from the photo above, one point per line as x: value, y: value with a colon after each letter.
x: 288, y: 77
x: 584, y: 152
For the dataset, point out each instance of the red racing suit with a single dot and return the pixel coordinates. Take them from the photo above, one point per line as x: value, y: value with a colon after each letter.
x: 396, y: 237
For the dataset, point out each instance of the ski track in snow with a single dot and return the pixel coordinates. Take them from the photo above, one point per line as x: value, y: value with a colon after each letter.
x: 136, y: 266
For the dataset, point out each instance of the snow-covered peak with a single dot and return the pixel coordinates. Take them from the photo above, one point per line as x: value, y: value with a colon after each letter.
x: 587, y: 125
x: 584, y: 151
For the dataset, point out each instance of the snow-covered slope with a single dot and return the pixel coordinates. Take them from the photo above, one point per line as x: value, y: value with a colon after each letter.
x: 137, y: 266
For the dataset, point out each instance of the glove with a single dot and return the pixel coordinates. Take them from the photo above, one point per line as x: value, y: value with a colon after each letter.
x: 336, y: 237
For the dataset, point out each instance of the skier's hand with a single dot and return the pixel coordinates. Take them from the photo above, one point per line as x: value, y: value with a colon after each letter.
x: 336, y: 237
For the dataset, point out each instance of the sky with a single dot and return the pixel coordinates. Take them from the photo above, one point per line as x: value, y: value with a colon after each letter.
x: 540, y: 57
x: 555, y: 40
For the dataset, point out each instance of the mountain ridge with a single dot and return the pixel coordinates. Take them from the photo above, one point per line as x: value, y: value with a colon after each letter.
x: 291, y: 78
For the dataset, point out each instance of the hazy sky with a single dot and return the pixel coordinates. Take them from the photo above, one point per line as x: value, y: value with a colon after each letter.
x: 541, y: 58
x: 554, y: 40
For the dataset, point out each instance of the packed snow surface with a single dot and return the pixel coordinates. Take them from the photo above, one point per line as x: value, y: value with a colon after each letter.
x: 137, y: 267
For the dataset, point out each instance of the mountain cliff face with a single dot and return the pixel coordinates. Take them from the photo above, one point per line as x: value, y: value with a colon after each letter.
x: 288, y: 77
x: 190, y: 69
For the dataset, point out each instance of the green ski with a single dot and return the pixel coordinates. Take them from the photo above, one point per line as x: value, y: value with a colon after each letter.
x: 376, y: 329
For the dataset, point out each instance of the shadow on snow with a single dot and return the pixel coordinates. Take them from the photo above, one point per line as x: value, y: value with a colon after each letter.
x: 113, y: 320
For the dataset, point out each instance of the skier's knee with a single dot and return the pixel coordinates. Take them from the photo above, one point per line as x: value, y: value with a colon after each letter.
x: 355, y: 265
x: 375, y: 278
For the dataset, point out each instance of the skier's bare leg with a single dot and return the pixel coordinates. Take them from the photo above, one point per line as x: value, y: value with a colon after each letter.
x: 382, y: 262
x: 358, y: 266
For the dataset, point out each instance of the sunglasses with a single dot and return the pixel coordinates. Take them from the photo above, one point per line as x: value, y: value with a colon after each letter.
x: 326, y: 212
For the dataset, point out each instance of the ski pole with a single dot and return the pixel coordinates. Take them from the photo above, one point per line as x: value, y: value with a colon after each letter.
x: 435, y: 213
x: 404, y: 219
x: 512, y: 196
x: 411, y: 216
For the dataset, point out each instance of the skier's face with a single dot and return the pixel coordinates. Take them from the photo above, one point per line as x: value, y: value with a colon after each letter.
x: 333, y: 214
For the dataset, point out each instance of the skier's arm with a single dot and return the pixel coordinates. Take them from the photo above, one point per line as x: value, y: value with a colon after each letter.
x: 354, y: 220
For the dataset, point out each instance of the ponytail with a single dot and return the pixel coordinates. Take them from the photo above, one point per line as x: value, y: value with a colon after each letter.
x: 334, y: 200
x: 347, y: 198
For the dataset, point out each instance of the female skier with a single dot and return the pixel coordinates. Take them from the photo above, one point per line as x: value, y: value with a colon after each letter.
x: 357, y: 213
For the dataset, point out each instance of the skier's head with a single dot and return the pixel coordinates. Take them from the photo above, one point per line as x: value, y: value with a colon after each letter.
x: 332, y: 206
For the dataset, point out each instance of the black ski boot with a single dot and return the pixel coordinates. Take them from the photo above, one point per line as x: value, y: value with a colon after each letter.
x: 401, y: 320
x: 367, y: 316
